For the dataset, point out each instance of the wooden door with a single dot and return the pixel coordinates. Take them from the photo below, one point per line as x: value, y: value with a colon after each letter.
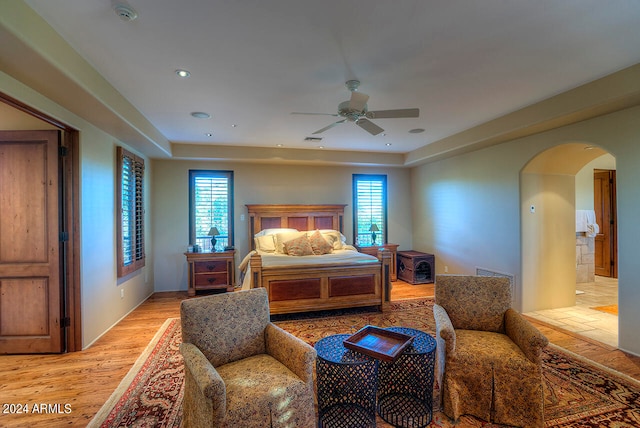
x: 30, y: 280
x: 604, y: 203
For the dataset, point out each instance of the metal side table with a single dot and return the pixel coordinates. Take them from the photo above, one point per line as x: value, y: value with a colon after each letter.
x: 405, y: 386
x: 346, y: 382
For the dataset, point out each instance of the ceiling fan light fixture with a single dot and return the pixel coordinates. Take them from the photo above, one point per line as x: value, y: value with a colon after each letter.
x: 182, y: 73
x: 355, y: 110
x: 200, y: 115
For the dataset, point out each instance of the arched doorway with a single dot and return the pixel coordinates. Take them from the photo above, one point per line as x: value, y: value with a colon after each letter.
x: 550, y: 189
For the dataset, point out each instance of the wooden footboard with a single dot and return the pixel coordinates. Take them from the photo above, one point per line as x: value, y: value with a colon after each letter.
x: 306, y: 288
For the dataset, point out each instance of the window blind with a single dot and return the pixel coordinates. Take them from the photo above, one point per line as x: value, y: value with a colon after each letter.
x: 131, y: 250
x: 211, y: 206
x: 370, y: 207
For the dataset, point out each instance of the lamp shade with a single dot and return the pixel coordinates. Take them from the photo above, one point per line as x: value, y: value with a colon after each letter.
x: 374, y: 228
x: 213, y: 232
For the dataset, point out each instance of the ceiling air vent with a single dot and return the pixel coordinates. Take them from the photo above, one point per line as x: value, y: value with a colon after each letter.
x: 313, y: 139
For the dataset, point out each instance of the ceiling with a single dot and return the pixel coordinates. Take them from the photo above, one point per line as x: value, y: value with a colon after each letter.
x: 254, y: 62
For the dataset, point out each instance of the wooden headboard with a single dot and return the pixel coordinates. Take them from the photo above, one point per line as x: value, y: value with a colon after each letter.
x: 301, y: 217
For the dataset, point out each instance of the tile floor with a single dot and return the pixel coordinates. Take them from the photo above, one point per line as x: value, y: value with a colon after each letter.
x: 583, y: 320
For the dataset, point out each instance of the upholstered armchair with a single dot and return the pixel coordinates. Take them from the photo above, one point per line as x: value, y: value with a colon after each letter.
x: 488, y: 355
x: 240, y: 369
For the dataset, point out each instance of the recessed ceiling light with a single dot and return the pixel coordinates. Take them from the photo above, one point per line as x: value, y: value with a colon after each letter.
x: 321, y: 147
x: 387, y: 144
x: 125, y: 12
x: 416, y: 131
x: 183, y: 73
x: 279, y: 145
x: 200, y: 115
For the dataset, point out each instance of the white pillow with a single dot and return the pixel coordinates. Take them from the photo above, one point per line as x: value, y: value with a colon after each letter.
x: 281, y: 238
x: 335, y: 238
x: 265, y: 244
x: 265, y: 232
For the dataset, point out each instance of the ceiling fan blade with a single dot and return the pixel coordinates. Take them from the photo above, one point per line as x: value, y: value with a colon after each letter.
x: 330, y: 126
x: 316, y: 114
x: 387, y: 114
x: 369, y: 126
x: 358, y: 101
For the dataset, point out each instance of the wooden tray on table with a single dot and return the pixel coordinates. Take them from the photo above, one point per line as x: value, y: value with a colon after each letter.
x: 378, y: 343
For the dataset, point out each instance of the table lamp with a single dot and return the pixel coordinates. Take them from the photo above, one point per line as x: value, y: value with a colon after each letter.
x: 373, y: 229
x: 213, y: 232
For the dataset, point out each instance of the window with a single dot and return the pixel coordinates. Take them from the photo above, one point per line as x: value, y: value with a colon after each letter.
x: 210, y: 206
x: 369, y: 209
x: 130, y: 227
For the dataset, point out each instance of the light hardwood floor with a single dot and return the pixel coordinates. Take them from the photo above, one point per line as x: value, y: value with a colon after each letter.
x: 84, y: 380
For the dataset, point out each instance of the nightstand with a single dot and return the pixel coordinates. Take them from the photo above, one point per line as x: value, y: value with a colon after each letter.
x: 372, y: 250
x: 211, y: 271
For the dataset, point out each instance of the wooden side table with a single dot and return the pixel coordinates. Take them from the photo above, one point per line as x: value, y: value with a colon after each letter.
x: 372, y: 250
x: 211, y: 271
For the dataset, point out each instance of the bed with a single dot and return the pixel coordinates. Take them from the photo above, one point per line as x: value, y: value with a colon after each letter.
x: 340, y: 278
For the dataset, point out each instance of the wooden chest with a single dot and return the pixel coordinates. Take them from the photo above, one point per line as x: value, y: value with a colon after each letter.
x: 415, y: 267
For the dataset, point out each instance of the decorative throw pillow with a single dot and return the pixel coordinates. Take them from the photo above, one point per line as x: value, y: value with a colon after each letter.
x: 298, y: 247
x: 319, y: 244
x: 281, y: 238
x: 333, y: 237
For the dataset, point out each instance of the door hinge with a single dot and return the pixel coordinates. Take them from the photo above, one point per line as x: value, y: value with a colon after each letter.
x: 64, y: 236
x: 65, y: 322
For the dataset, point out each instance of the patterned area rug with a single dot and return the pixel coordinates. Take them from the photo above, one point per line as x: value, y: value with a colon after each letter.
x: 578, y: 392
x: 150, y: 395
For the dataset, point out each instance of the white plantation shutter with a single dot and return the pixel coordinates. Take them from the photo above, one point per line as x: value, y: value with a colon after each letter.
x: 131, y: 251
x: 370, y: 207
x: 211, y: 205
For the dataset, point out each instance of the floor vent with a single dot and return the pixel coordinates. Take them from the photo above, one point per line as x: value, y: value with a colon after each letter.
x: 487, y: 272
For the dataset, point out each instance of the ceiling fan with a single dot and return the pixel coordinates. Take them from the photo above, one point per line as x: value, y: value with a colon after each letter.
x: 355, y: 110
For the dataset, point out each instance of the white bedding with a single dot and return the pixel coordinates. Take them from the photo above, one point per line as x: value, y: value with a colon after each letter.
x: 347, y: 255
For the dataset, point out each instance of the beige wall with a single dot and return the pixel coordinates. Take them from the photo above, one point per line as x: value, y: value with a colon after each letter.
x: 260, y: 184
x: 102, y: 306
x: 548, y: 241
x: 469, y: 208
x: 466, y: 211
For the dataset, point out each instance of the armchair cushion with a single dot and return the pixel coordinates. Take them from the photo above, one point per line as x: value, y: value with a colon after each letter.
x: 262, y: 392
